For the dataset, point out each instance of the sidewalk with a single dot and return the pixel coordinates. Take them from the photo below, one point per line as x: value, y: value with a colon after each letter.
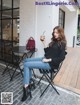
x: 49, y: 98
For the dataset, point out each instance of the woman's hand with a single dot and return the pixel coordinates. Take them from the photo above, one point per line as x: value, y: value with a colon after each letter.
x: 42, y: 38
x: 47, y: 60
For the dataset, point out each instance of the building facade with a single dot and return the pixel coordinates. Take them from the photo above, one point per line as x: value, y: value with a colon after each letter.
x: 20, y: 19
x: 37, y: 17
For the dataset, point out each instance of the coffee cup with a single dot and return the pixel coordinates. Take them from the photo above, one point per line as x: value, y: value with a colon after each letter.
x: 42, y: 37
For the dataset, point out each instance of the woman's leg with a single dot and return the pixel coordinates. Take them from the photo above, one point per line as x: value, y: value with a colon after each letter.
x: 33, y: 59
x: 30, y: 65
x: 27, y: 75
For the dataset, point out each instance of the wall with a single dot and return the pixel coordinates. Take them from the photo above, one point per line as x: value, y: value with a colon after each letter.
x: 46, y: 21
x: 71, y: 18
x: 27, y: 20
x: 34, y: 20
x: 71, y: 27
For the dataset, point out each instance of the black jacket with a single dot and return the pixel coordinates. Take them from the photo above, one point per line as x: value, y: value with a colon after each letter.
x: 56, y: 53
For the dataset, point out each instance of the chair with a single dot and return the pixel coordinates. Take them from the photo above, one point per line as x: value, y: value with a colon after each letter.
x: 49, y: 78
x: 15, y: 57
x: 12, y: 63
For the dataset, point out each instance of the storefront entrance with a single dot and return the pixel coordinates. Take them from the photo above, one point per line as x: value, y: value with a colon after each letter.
x: 9, y: 25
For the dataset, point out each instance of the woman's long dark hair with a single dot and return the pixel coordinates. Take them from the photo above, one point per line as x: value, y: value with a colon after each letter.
x: 61, y: 38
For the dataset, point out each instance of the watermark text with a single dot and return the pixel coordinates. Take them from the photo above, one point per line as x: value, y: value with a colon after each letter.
x: 55, y: 3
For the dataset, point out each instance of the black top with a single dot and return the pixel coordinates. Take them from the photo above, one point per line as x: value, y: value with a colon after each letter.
x: 56, y: 53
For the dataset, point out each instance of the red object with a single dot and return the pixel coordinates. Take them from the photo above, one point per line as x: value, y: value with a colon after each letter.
x: 30, y: 44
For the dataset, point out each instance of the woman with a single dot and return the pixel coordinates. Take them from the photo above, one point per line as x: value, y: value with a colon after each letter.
x: 54, y: 55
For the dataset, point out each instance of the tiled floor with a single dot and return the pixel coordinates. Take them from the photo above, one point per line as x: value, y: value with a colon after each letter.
x: 49, y: 98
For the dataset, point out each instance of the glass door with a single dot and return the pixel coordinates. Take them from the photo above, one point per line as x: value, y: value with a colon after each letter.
x: 9, y: 25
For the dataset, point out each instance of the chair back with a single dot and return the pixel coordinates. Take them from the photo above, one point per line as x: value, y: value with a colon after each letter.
x: 54, y: 72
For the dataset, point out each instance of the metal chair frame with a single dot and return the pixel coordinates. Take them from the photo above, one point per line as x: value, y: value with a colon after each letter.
x: 49, y: 78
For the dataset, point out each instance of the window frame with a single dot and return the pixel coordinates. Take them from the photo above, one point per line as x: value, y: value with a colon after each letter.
x: 12, y: 9
x: 62, y: 18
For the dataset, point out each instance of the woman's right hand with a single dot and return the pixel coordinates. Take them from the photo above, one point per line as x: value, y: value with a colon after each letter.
x: 42, y: 38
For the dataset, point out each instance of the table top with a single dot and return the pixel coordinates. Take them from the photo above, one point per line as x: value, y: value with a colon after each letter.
x: 22, y: 49
x: 19, y: 49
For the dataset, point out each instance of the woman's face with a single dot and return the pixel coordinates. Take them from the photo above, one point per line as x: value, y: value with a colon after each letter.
x: 56, y: 34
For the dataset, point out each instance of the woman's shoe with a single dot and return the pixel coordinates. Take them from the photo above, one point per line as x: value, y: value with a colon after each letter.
x: 26, y: 93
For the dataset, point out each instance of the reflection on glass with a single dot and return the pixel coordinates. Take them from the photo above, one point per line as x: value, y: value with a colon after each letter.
x: 15, y: 31
x: 7, y: 4
x: 7, y: 14
x: 16, y: 13
x: 16, y: 3
x: 7, y: 29
x: 6, y: 33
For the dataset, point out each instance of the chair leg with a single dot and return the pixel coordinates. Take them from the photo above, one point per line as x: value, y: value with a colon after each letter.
x: 9, y: 73
x: 15, y: 71
x: 5, y: 69
x: 13, y: 75
x: 31, y: 54
x: 40, y: 79
x: 44, y: 90
x: 50, y: 83
x: 34, y: 73
x: 21, y: 71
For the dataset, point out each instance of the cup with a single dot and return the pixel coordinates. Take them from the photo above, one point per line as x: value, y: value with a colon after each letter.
x: 42, y: 37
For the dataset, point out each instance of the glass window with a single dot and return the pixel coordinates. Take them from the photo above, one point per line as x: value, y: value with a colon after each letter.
x: 15, y: 30
x: 61, y: 18
x: 78, y: 28
x: 6, y: 29
x: 78, y: 21
x: 0, y: 29
x: 7, y: 14
x: 16, y: 13
x: 9, y: 33
x: 0, y: 4
x: 0, y: 14
x: 16, y: 3
x: 7, y: 4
